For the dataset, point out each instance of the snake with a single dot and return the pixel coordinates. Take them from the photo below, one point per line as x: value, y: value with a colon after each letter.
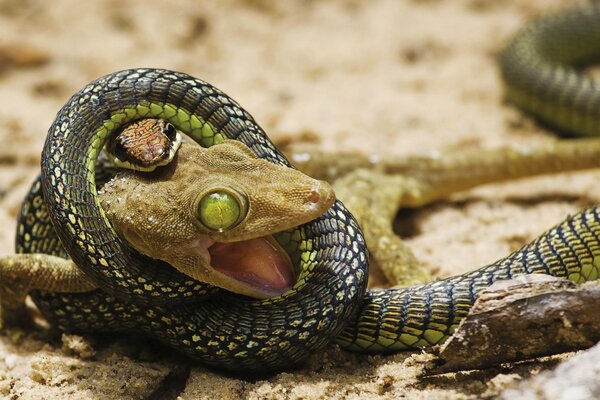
x: 541, y: 70
x: 144, y: 145
x: 62, y: 216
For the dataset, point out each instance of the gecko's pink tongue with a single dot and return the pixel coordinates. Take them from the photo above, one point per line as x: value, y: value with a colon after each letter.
x: 257, y: 262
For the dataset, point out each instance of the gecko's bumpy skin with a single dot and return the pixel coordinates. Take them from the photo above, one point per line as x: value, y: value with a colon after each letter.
x: 227, y: 332
x: 239, y: 334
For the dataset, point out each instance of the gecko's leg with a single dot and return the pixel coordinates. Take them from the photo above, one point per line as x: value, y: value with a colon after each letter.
x: 21, y: 273
x: 374, y: 199
x: 375, y: 195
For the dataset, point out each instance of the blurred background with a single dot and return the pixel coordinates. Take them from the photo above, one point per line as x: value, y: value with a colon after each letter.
x: 383, y: 76
x: 387, y: 76
x: 378, y: 77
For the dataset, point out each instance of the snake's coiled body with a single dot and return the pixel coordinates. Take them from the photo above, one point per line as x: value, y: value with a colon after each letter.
x: 250, y: 335
x: 540, y: 73
x: 329, y: 300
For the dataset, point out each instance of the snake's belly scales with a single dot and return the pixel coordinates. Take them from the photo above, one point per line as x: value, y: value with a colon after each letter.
x: 329, y: 301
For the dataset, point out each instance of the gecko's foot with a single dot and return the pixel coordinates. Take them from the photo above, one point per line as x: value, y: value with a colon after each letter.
x: 13, y: 311
x: 21, y: 273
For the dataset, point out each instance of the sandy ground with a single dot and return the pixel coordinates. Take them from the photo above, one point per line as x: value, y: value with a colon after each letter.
x: 379, y: 77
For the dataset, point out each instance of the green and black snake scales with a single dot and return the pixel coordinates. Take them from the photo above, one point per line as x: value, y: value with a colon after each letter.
x: 329, y: 301
x: 539, y: 69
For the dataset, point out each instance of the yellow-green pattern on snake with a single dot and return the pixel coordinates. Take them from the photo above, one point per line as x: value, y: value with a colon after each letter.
x: 329, y: 302
x: 539, y: 69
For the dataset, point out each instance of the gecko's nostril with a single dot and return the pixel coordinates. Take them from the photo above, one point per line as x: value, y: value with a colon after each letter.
x: 320, y: 197
x: 314, y: 196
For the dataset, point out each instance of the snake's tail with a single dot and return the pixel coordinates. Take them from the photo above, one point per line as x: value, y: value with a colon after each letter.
x: 539, y: 70
x: 398, y: 319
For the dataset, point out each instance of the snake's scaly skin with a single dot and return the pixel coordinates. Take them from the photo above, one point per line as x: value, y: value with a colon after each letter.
x: 540, y: 75
x: 227, y: 331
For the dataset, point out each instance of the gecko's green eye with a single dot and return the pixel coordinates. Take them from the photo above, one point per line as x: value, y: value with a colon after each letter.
x: 221, y: 210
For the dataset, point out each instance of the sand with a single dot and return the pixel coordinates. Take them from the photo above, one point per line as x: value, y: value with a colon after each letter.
x: 384, y: 77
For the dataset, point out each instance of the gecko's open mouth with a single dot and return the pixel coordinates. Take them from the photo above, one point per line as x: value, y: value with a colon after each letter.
x: 260, y: 263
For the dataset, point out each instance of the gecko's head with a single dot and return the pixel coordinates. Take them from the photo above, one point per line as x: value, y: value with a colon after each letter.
x: 211, y: 214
